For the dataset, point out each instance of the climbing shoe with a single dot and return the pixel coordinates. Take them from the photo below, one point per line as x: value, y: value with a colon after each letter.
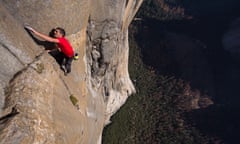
x: 63, y: 69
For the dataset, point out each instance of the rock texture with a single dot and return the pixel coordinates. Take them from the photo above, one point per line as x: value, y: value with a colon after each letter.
x: 34, y: 94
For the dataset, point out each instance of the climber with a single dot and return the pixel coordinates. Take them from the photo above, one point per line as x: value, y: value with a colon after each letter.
x: 64, y: 46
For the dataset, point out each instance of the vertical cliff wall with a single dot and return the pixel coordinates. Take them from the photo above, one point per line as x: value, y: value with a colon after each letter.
x: 107, y: 53
x: 34, y: 93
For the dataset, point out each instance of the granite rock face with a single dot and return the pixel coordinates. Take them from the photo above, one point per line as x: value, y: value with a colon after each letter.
x: 34, y: 94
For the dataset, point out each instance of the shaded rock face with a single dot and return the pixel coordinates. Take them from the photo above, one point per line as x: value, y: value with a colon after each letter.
x: 34, y: 93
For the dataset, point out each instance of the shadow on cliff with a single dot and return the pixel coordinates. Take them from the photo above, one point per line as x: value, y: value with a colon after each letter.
x: 54, y: 52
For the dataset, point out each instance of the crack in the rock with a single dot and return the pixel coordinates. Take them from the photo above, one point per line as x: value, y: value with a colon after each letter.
x: 26, y: 67
x: 6, y: 47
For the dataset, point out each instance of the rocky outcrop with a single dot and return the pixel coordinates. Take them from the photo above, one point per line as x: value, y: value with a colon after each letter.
x: 34, y: 93
x: 107, y: 54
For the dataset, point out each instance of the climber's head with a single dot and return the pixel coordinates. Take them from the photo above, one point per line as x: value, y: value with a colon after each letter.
x: 59, y: 32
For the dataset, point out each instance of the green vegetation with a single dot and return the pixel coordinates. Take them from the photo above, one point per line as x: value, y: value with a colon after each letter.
x: 39, y: 67
x: 73, y: 99
x: 161, y: 9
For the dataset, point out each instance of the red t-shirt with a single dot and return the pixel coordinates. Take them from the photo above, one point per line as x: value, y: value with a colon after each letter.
x: 65, y: 47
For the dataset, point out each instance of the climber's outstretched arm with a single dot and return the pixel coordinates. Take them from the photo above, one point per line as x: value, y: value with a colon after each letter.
x: 45, y: 37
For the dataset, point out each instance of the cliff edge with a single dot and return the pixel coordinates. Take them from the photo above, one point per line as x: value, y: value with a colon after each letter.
x: 35, y: 103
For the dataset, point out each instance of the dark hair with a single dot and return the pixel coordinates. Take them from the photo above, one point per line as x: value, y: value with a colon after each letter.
x: 51, y: 33
x: 62, y: 31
